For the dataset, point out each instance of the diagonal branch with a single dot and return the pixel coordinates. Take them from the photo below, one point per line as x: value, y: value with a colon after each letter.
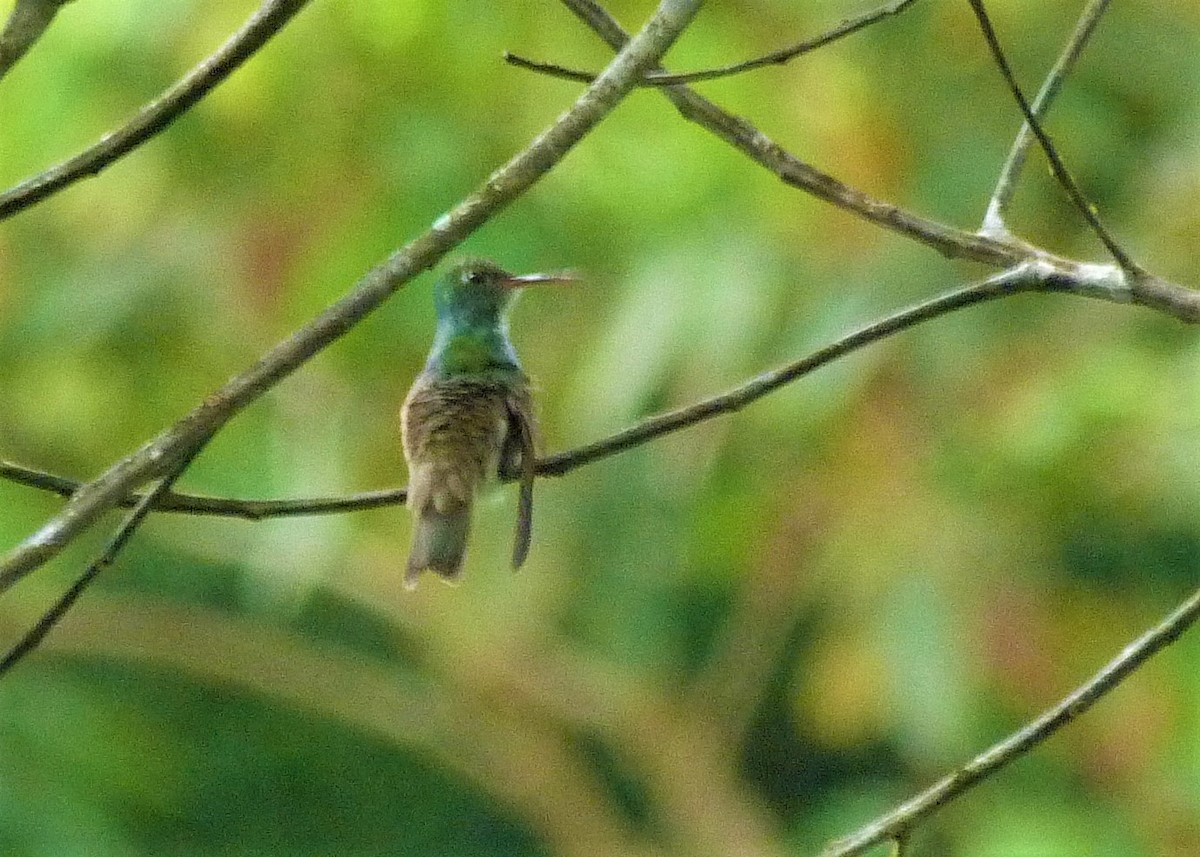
x: 1022, y: 278
x: 779, y: 57
x: 1006, y: 184
x: 897, y: 823
x: 160, y: 455
x: 1064, y: 177
x: 158, y: 114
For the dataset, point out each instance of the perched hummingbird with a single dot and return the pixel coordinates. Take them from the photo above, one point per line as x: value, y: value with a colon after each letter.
x: 468, y: 417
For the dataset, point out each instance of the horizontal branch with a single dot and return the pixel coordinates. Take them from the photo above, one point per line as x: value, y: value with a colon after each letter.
x: 159, y: 456
x: 158, y: 114
x: 1105, y: 282
x: 897, y: 823
x: 199, y: 504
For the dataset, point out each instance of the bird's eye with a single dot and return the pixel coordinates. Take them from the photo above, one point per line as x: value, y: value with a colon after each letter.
x: 475, y: 277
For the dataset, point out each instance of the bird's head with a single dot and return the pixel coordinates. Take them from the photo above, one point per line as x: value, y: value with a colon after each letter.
x: 476, y: 292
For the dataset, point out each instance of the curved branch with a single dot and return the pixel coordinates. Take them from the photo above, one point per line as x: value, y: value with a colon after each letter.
x: 779, y: 57
x: 158, y: 114
x: 1021, y: 279
x: 159, y: 456
x: 1094, y: 281
x: 897, y: 823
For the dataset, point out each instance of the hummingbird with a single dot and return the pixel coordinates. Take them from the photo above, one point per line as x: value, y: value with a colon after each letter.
x: 468, y: 418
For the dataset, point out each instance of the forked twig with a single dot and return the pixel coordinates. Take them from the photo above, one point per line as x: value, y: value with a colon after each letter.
x: 750, y: 141
x: 128, y: 527
x: 1144, y: 289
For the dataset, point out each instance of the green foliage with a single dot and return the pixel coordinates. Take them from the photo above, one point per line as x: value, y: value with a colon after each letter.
x: 787, y: 619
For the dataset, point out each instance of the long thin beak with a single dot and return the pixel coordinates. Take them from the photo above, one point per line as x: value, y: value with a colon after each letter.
x: 538, y: 279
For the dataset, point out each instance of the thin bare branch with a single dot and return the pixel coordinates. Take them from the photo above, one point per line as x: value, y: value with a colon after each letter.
x: 159, y: 456
x: 158, y: 114
x: 128, y: 527
x: 1104, y: 282
x: 908, y: 815
x: 779, y: 57
x: 1024, y: 278
x: 1064, y: 177
x: 199, y: 504
x: 548, y: 68
x: 25, y: 25
x: 1006, y: 184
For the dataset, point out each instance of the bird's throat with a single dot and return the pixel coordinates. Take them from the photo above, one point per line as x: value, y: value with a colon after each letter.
x: 472, y: 351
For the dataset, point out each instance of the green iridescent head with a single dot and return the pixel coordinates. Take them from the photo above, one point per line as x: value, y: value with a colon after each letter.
x: 471, y: 299
x: 474, y: 293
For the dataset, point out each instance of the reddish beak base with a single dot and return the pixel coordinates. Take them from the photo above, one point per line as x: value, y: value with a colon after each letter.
x: 538, y: 279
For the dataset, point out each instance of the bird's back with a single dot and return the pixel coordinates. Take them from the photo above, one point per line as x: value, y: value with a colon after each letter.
x: 454, y: 430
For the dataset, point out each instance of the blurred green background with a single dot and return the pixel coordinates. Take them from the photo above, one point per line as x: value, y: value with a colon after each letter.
x: 746, y: 638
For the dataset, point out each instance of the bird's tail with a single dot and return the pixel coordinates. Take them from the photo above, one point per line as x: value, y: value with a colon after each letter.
x: 439, y: 542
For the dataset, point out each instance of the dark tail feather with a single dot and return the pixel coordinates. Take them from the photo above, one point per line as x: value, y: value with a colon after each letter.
x: 524, y: 524
x: 439, y: 542
x: 525, y: 498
